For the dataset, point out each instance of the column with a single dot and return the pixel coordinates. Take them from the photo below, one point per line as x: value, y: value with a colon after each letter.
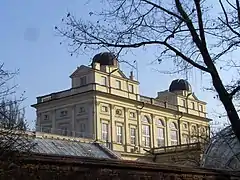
x: 126, y: 129
x: 153, y: 131
x: 73, y: 129
x: 53, y: 116
x: 139, y: 128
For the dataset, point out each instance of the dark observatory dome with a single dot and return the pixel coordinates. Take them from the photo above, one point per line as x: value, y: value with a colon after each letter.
x: 180, y: 85
x: 105, y: 58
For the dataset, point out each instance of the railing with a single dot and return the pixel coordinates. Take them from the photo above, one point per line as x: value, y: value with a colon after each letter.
x: 65, y: 93
x: 176, y: 148
x: 156, y: 102
x: 63, y: 132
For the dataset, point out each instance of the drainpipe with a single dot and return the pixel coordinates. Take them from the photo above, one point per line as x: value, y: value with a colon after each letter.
x: 187, y: 100
x: 109, y: 79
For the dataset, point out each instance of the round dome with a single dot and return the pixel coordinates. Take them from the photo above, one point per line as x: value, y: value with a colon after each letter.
x: 180, y: 85
x: 223, y: 151
x: 105, y: 58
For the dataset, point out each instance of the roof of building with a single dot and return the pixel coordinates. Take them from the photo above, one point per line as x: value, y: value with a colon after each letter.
x: 223, y: 151
x: 74, y: 148
x: 179, y: 85
x: 104, y: 58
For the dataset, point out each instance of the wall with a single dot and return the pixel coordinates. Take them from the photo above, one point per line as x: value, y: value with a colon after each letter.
x: 63, y: 168
x: 152, y: 113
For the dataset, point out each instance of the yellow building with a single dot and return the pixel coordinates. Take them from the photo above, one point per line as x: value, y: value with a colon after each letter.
x: 104, y: 104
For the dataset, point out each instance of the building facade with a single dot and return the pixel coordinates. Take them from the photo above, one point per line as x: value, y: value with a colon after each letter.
x: 104, y: 104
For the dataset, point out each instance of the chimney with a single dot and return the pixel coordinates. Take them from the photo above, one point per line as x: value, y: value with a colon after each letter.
x: 131, y: 75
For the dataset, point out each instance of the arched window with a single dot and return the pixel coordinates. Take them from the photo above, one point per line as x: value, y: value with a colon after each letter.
x: 174, y: 133
x: 194, y: 130
x: 146, y: 131
x: 185, y: 139
x: 194, y: 134
x: 160, y: 133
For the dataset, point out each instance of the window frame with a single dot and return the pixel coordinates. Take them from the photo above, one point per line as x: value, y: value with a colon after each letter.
x: 174, y: 129
x: 84, y: 82
x: 119, y: 134
x: 103, y: 81
x: 131, y: 90
x: 118, y: 84
x: 133, y: 138
x: 104, y: 132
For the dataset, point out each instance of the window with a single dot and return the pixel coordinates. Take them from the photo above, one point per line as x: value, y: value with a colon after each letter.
x: 82, y: 127
x: 160, y: 133
x: 103, y: 81
x: 81, y: 109
x: 104, y: 108
x: 185, y: 126
x: 119, y: 134
x: 174, y: 133
x: 160, y: 137
x: 118, y: 112
x: 185, y: 139
x: 194, y: 130
x: 46, y: 117
x: 183, y: 103
x: 104, y: 131
x: 160, y: 123
x: 64, y: 131
x: 203, y: 131
x: 63, y: 113
x: 146, y: 131
x: 201, y: 108
x: 83, y: 81
x: 130, y: 88
x: 133, y: 136
x: 132, y: 115
x: 192, y: 105
x: 118, y: 84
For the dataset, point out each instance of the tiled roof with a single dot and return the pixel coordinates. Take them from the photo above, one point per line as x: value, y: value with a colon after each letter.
x: 72, y: 148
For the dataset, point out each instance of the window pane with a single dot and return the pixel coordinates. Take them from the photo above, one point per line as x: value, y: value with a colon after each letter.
x: 130, y: 87
x: 103, y: 80
x: 133, y: 136
x: 119, y: 134
x: 146, y: 135
x: 118, y: 84
x: 104, y: 132
x: 160, y: 137
x: 83, y: 81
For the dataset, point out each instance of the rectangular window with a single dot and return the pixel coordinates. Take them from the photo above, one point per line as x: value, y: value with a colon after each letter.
x: 46, y: 117
x: 193, y: 105
x: 130, y: 88
x: 132, y: 115
x: 133, y: 136
x: 201, y: 108
x: 119, y: 134
x: 63, y: 113
x: 81, y: 110
x: 103, y: 81
x: 104, y: 131
x: 64, y: 131
x: 183, y: 103
x: 104, y: 109
x: 118, y: 84
x: 160, y: 137
x: 82, y: 127
x: 83, y: 81
x: 146, y: 135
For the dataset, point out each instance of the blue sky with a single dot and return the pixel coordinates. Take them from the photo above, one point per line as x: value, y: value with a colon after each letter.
x: 28, y: 42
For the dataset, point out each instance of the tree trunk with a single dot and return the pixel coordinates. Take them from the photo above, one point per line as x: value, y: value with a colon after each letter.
x: 228, y: 104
